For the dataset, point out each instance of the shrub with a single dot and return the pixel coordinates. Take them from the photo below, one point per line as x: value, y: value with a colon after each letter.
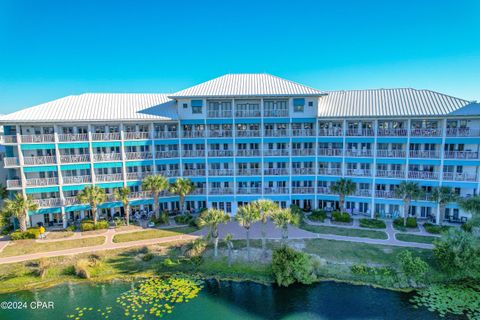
x: 71, y: 228
x: 195, y: 248
x: 318, y: 215
x: 411, y: 223
x: 119, y: 222
x: 147, y: 256
x: 341, y: 217
x: 362, y: 269
x: 290, y: 266
x: 88, y: 225
x: 81, y: 269
x: 31, y: 233
x: 435, y: 229
x: 42, y: 267
x: 372, y: 223
x: 359, y: 269
x: 102, y: 224
x: 183, y: 219
x: 467, y: 227
x: 412, y: 267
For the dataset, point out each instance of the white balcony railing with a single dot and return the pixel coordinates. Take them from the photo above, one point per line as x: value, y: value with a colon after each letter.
x: 11, y: 162
x: 303, y: 132
x: 359, y: 172
x: 193, y: 153
x: 220, y: 153
x: 10, y: 139
x: 423, y: 175
x: 76, y: 179
x: 219, y: 114
x: 276, y: 190
x: 276, y: 171
x: 303, y: 152
x: 198, y: 191
x: 324, y: 190
x: 106, y: 136
x: 74, y: 158
x: 463, y: 176
x: 14, y: 184
x: 362, y: 193
x: 248, y: 153
x: 276, y: 133
x: 276, y: 152
x: 249, y: 190
x: 360, y: 132
x: 247, y: 113
x: 193, y: 134
x: 194, y: 172
x: 385, y: 194
x: 424, y: 154
x: 220, y: 172
x: 166, y: 135
x: 138, y: 175
x: 460, y: 155
x: 248, y: 133
x: 220, y: 191
x: 426, y: 132
x: 109, y: 177
x: 39, y: 160
x: 296, y: 171
x: 38, y: 138
x: 50, y: 202
x: 166, y: 154
x: 275, y: 113
x: 249, y: 172
x: 68, y: 201
x: 330, y: 152
x: 463, y: 132
x: 330, y: 132
x: 138, y: 155
x: 72, y: 137
x: 37, y: 182
x: 392, y: 132
x: 303, y: 190
x: 169, y: 173
x: 391, y: 153
x: 114, y: 156
x: 358, y: 153
x: 329, y: 172
x: 136, y: 135
x: 140, y: 195
x: 390, y: 173
x: 220, y: 133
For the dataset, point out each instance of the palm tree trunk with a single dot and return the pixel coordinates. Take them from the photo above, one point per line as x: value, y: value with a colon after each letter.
x: 215, y: 246
x: 342, y: 203
x: 229, y: 254
x: 248, y: 243
x: 127, y: 214
x: 22, y: 221
x: 182, y: 205
x: 264, y: 240
x: 442, y: 213
x: 156, y: 207
x: 285, y: 234
x: 406, y: 206
x: 94, y: 214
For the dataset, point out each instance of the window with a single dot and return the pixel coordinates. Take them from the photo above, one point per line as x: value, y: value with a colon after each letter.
x: 196, y: 109
x: 185, y: 105
x: 298, y: 105
x: 310, y: 103
x: 197, y: 106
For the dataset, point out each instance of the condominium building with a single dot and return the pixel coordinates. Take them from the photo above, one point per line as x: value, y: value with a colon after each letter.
x: 242, y: 137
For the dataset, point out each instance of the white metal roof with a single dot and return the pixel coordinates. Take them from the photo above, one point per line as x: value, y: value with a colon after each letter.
x: 247, y: 84
x: 99, y: 107
x: 389, y: 103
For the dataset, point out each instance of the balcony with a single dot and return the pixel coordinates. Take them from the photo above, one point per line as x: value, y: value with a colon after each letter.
x: 424, y: 154
x: 358, y: 153
x: 324, y: 190
x: 249, y: 190
x: 426, y: 132
x: 276, y: 171
x: 106, y: 136
x: 303, y: 190
x: 463, y: 176
x: 193, y: 153
x: 220, y: 172
x: 140, y: 195
x: 136, y: 135
x: 74, y: 158
x: 138, y: 155
x: 40, y: 160
x: 11, y: 162
x: 51, y: 202
x: 385, y: 194
x: 363, y: 193
x: 72, y: 137
x: 247, y: 113
x: 360, y: 132
x: 330, y: 152
x: 194, y: 172
x: 220, y: 153
x: 460, y: 155
x: 276, y: 190
x: 166, y: 135
x: 330, y: 132
x: 76, y: 179
x: 109, y: 177
x: 220, y: 133
x: 248, y: 153
x: 299, y: 171
x: 390, y: 174
x: 392, y: 132
x: 275, y: 152
x: 9, y: 139
x: 40, y: 182
x: 359, y: 172
x: 217, y: 191
x: 423, y: 175
x: 275, y: 113
x: 169, y: 173
x: 14, y: 184
x: 276, y: 133
x: 138, y: 175
x: 391, y: 153
x: 38, y: 138
x: 219, y: 114
x: 114, y: 156
x: 198, y: 191
x: 303, y: 152
x: 249, y: 172
x: 303, y: 132
x: 248, y: 133
x: 166, y: 154
x: 463, y: 132
x: 193, y: 134
x: 69, y: 201
x: 329, y: 172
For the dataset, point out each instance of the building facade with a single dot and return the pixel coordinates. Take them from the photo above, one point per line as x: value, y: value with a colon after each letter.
x: 242, y: 137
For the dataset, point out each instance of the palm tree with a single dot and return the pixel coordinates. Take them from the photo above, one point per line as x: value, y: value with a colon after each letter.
x: 92, y: 195
x: 211, y: 218
x: 155, y: 184
x: 343, y: 187
x: 265, y: 209
x: 228, y: 240
x: 123, y: 195
x: 282, y: 218
x: 19, y: 207
x: 246, y: 215
x: 182, y: 187
x: 471, y: 205
x: 408, y: 191
x: 3, y: 192
x: 442, y: 196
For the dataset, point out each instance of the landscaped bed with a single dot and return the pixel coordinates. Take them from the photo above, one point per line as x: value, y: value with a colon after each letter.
x: 435, y: 229
x: 22, y: 247
x: 414, y: 238
x: 152, y: 234
x: 372, y: 223
x: 348, y: 232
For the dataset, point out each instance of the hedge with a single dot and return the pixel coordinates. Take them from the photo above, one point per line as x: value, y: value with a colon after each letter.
x: 88, y: 225
x: 372, y: 223
x: 318, y: 215
x: 31, y: 233
x: 341, y: 217
x: 411, y: 222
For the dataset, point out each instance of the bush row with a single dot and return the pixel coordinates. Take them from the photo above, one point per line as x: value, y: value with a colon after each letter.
x: 31, y: 233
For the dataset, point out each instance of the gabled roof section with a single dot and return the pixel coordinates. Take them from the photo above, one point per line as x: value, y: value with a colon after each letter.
x: 247, y: 85
x: 99, y: 107
x: 404, y: 102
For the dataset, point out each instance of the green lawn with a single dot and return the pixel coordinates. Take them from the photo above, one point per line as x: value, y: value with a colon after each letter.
x: 414, y: 238
x: 348, y: 232
x: 152, y: 234
x: 21, y: 247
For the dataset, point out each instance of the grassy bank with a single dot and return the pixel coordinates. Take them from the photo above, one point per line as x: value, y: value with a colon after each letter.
x: 151, y: 234
x: 415, y: 238
x: 348, y: 232
x: 21, y: 247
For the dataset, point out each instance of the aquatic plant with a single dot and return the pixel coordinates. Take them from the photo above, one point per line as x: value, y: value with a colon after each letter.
x: 155, y: 297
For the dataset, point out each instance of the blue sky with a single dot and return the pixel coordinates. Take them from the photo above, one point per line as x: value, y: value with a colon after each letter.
x: 49, y: 49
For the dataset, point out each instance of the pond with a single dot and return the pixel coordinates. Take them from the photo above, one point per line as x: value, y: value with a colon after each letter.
x: 231, y: 300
